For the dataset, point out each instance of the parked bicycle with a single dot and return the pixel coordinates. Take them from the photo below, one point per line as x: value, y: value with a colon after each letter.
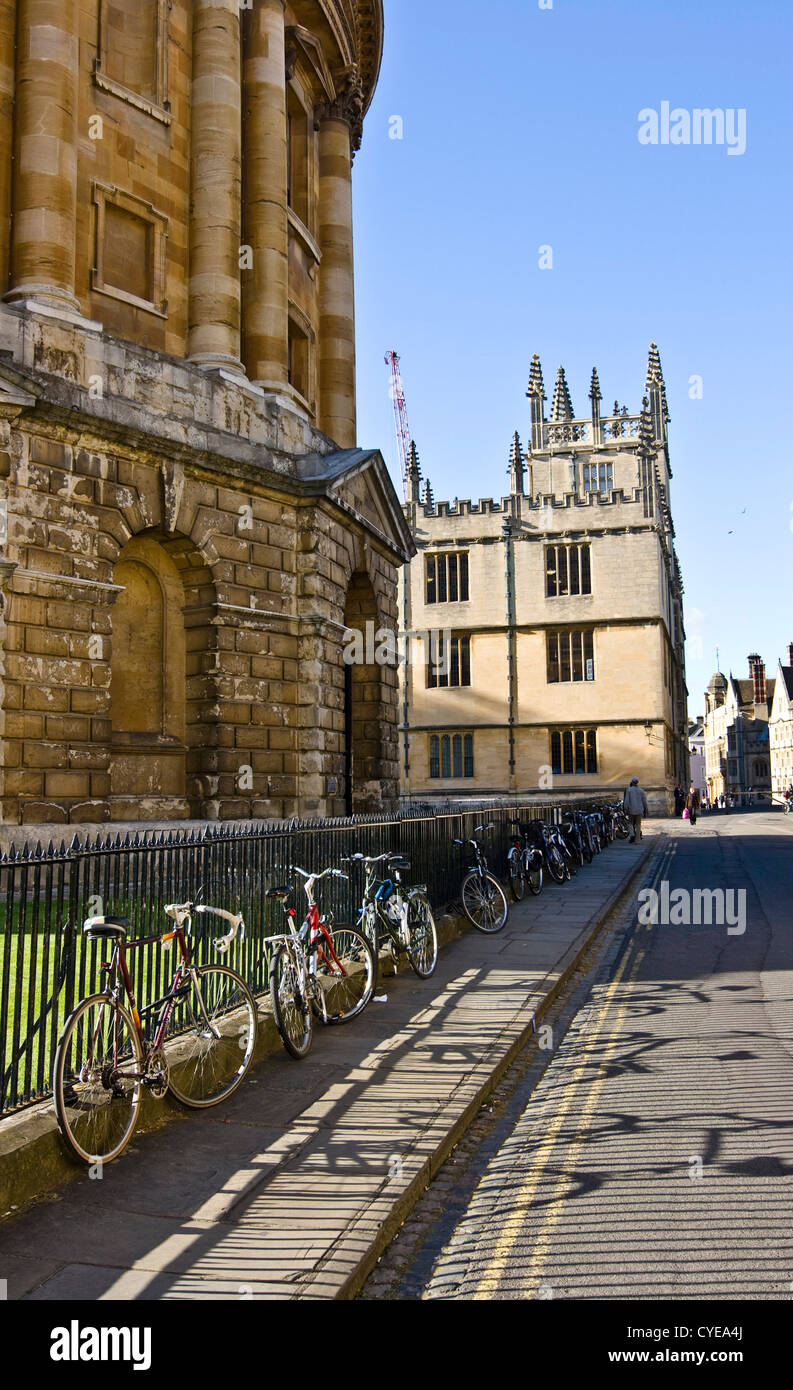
x: 484, y: 900
x: 547, y: 840
x: 619, y: 819
x: 200, y: 1049
x: 570, y: 831
x: 399, y: 917
x: 319, y: 970
x: 524, y: 863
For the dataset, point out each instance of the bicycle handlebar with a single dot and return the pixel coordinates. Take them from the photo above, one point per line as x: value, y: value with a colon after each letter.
x: 371, y: 859
x: 237, y: 921
x: 179, y: 911
x: 336, y: 873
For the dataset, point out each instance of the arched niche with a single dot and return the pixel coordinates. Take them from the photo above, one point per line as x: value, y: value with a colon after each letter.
x: 363, y: 734
x: 147, y: 683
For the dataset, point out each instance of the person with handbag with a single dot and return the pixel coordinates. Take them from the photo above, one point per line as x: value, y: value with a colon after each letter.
x: 691, y: 809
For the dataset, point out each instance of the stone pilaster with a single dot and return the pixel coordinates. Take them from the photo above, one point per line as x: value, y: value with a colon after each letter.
x: 338, y: 133
x: 215, y: 227
x: 265, y: 225
x: 45, y: 176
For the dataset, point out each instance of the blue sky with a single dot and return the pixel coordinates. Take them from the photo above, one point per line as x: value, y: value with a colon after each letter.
x: 520, y: 130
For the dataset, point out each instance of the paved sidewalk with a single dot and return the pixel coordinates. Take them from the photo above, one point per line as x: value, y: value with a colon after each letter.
x: 293, y: 1188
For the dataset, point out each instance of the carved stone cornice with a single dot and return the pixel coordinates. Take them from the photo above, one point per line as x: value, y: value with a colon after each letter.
x: 348, y: 106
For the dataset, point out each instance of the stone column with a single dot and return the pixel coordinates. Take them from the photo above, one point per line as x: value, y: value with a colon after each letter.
x: 215, y: 229
x: 7, y: 37
x: 338, y: 130
x: 265, y: 228
x: 45, y: 176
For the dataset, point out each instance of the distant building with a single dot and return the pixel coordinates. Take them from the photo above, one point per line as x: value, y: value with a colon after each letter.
x: 737, y: 752
x: 696, y: 751
x: 560, y: 664
x: 780, y: 728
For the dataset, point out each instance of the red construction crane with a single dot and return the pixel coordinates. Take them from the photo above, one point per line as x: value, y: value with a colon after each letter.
x: 400, y: 417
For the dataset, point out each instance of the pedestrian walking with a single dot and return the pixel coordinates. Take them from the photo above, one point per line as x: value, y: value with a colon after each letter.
x: 635, y: 803
x: 692, y: 805
x: 679, y: 800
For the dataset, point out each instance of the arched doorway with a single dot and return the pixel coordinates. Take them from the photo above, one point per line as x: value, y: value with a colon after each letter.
x: 362, y: 701
x: 147, y: 685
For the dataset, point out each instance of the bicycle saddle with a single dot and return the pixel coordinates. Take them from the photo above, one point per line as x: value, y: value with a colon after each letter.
x: 110, y: 928
x: 397, y: 862
x: 282, y: 893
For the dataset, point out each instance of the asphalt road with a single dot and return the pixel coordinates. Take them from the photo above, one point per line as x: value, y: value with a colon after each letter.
x: 653, y: 1157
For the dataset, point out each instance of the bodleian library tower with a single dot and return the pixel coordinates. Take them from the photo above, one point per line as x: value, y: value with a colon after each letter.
x: 550, y: 620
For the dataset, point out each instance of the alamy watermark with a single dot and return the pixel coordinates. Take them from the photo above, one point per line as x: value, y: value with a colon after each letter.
x: 384, y: 646
x: 683, y: 907
x: 700, y: 126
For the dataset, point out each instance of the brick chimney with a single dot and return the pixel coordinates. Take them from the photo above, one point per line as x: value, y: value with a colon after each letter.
x: 790, y: 654
x: 757, y: 673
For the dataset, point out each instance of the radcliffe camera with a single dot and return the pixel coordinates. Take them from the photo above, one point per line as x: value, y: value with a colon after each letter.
x: 396, y: 674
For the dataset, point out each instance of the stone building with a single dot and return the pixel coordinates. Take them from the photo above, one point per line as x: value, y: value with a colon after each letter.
x: 560, y: 660
x: 696, y: 750
x: 188, y: 525
x: 780, y: 728
x: 737, y: 751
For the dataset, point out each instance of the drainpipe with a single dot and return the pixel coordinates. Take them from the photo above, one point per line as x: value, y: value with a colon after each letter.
x: 406, y: 672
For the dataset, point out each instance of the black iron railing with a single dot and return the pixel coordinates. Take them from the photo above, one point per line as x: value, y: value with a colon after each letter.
x: 47, y: 965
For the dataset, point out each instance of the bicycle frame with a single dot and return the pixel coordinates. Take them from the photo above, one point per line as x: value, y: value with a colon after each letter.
x: 312, y: 943
x: 117, y: 966
x: 373, y: 909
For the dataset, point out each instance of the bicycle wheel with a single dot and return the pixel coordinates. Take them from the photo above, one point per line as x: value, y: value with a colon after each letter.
x: 346, y: 975
x: 534, y: 879
x: 291, y: 1008
x: 97, y: 1079
x: 212, y: 1034
x: 484, y: 901
x: 423, y: 948
x: 556, y: 864
x: 517, y: 877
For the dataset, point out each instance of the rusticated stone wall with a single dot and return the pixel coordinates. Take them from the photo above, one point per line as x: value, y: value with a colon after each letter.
x: 173, y: 644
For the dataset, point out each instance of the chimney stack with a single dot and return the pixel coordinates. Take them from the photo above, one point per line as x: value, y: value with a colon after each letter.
x: 757, y: 672
x: 790, y: 654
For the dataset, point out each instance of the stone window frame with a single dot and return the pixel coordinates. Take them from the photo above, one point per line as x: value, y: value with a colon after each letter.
x: 458, y: 664
x: 553, y: 572
x: 441, y: 744
x: 298, y: 319
x: 104, y: 193
x: 438, y: 561
x: 602, y: 484
x: 160, y: 106
x: 556, y: 741
x: 303, y: 169
x: 582, y: 633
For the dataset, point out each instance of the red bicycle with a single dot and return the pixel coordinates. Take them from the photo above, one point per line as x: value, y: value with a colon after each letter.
x: 200, y: 1050
x: 318, y: 970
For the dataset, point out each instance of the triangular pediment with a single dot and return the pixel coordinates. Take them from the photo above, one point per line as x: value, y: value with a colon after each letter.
x: 13, y: 395
x: 358, y: 481
x: 360, y: 493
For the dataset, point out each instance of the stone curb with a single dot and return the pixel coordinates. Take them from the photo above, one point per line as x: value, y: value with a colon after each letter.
x: 33, y: 1157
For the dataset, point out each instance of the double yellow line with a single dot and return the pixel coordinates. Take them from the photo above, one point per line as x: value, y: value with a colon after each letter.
x: 514, y: 1226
